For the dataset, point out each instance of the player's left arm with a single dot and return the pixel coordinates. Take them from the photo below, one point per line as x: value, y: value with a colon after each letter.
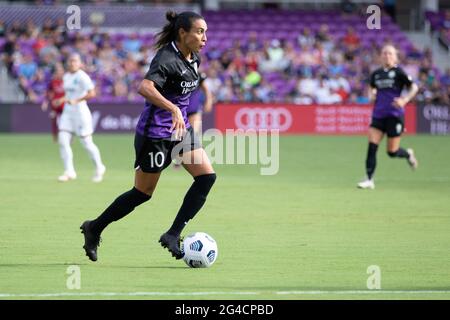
x: 402, y: 101
x: 89, y: 95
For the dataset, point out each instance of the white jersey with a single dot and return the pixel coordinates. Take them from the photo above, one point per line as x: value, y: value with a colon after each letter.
x: 76, y: 85
x: 76, y: 118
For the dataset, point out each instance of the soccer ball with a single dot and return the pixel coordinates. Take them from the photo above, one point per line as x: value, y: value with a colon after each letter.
x: 200, y: 250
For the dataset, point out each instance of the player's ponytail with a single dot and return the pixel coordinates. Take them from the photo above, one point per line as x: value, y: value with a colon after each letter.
x: 176, y: 21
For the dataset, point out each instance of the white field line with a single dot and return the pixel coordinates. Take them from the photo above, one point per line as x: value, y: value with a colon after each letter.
x: 209, y: 293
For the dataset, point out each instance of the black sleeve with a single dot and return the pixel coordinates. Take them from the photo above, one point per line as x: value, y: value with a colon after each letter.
x: 158, y: 71
x: 202, y: 77
x: 404, y: 79
x: 372, y: 80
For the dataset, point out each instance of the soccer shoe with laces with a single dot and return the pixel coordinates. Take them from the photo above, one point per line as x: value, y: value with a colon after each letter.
x: 67, y: 176
x: 172, y: 243
x: 91, y: 241
x: 366, y: 184
x: 412, y: 161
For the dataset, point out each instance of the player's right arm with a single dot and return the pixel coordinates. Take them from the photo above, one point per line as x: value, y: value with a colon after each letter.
x: 373, y: 88
x: 148, y: 90
x: 157, y: 76
x: 372, y: 94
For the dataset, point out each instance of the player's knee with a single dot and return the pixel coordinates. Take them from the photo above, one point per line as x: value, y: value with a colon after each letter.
x: 87, y: 142
x: 64, y: 139
x: 392, y: 154
x: 148, y: 190
x: 205, y: 182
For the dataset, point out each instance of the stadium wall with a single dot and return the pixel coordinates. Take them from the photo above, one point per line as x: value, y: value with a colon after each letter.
x: 107, y: 118
x: 311, y: 119
x: 5, y: 118
x: 288, y: 118
x: 433, y: 119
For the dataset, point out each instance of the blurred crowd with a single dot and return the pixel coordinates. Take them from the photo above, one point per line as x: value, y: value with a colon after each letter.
x: 316, y: 69
x: 323, y: 70
x: 444, y: 29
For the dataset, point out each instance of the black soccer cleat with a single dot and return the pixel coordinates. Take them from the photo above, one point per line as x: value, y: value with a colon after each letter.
x: 91, y: 241
x: 172, y: 243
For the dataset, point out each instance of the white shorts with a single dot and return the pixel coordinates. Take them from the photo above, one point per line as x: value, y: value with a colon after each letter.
x: 77, y: 121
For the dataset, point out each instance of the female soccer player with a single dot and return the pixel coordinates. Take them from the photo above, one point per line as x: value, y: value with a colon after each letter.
x: 163, y: 132
x: 55, y: 91
x: 76, y: 119
x: 388, y: 114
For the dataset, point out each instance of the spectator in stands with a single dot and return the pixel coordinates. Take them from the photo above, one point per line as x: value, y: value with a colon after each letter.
x: 16, y: 29
x: 225, y: 60
x: 252, y: 79
x: 2, y: 29
x: 31, y: 30
x: 28, y: 68
x: 334, y: 67
x: 214, y: 53
x: 306, y: 88
x: 133, y: 43
x: 390, y: 8
x: 347, y: 7
x: 446, y: 20
x: 238, y: 59
x: 48, y: 28
x: 445, y: 79
x: 252, y: 42
x: 351, y: 39
x: 337, y: 82
x: 358, y: 96
x: 411, y: 67
x: 27, y: 73
x: 324, y: 95
x: 116, y: 68
x: 306, y: 57
x: 9, y: 48
x: 306, y: 38
x: 323, y: 36
x: 226, y: 92
x: 212, y: 81
x: 445, y: 97
x: 264, y: 92
x: 252, y: 60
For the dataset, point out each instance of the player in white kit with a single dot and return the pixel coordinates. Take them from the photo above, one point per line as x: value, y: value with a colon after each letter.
x: 76, y: 119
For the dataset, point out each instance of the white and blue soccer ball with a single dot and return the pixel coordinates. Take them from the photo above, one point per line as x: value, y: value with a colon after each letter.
x: 200, y: 250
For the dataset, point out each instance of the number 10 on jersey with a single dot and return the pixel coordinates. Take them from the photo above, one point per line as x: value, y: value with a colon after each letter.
x: 156, y: 159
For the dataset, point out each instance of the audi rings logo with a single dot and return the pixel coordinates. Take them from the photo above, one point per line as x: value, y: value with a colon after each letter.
x: 263, y: 118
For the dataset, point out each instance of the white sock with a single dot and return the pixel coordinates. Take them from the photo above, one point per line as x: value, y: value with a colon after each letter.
x: 92, y: 150
x: 66, y: 151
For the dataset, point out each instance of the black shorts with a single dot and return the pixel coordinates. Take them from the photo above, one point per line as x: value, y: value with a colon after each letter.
x: 154, y: 155
x: 392, y: 126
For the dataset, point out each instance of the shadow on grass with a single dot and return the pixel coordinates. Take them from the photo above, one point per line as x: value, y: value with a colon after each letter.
x: 100, y: 265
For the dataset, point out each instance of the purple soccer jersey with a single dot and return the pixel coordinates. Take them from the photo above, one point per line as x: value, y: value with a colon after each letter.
x: 195, y: 100
x: 389, y: 83
x: 195, y: 103
x: 175, y: 78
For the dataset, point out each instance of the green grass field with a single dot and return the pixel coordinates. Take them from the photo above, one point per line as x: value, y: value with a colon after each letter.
x: 305, y: 233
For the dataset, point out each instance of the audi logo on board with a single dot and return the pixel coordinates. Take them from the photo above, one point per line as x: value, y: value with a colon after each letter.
x: 263, y: 118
